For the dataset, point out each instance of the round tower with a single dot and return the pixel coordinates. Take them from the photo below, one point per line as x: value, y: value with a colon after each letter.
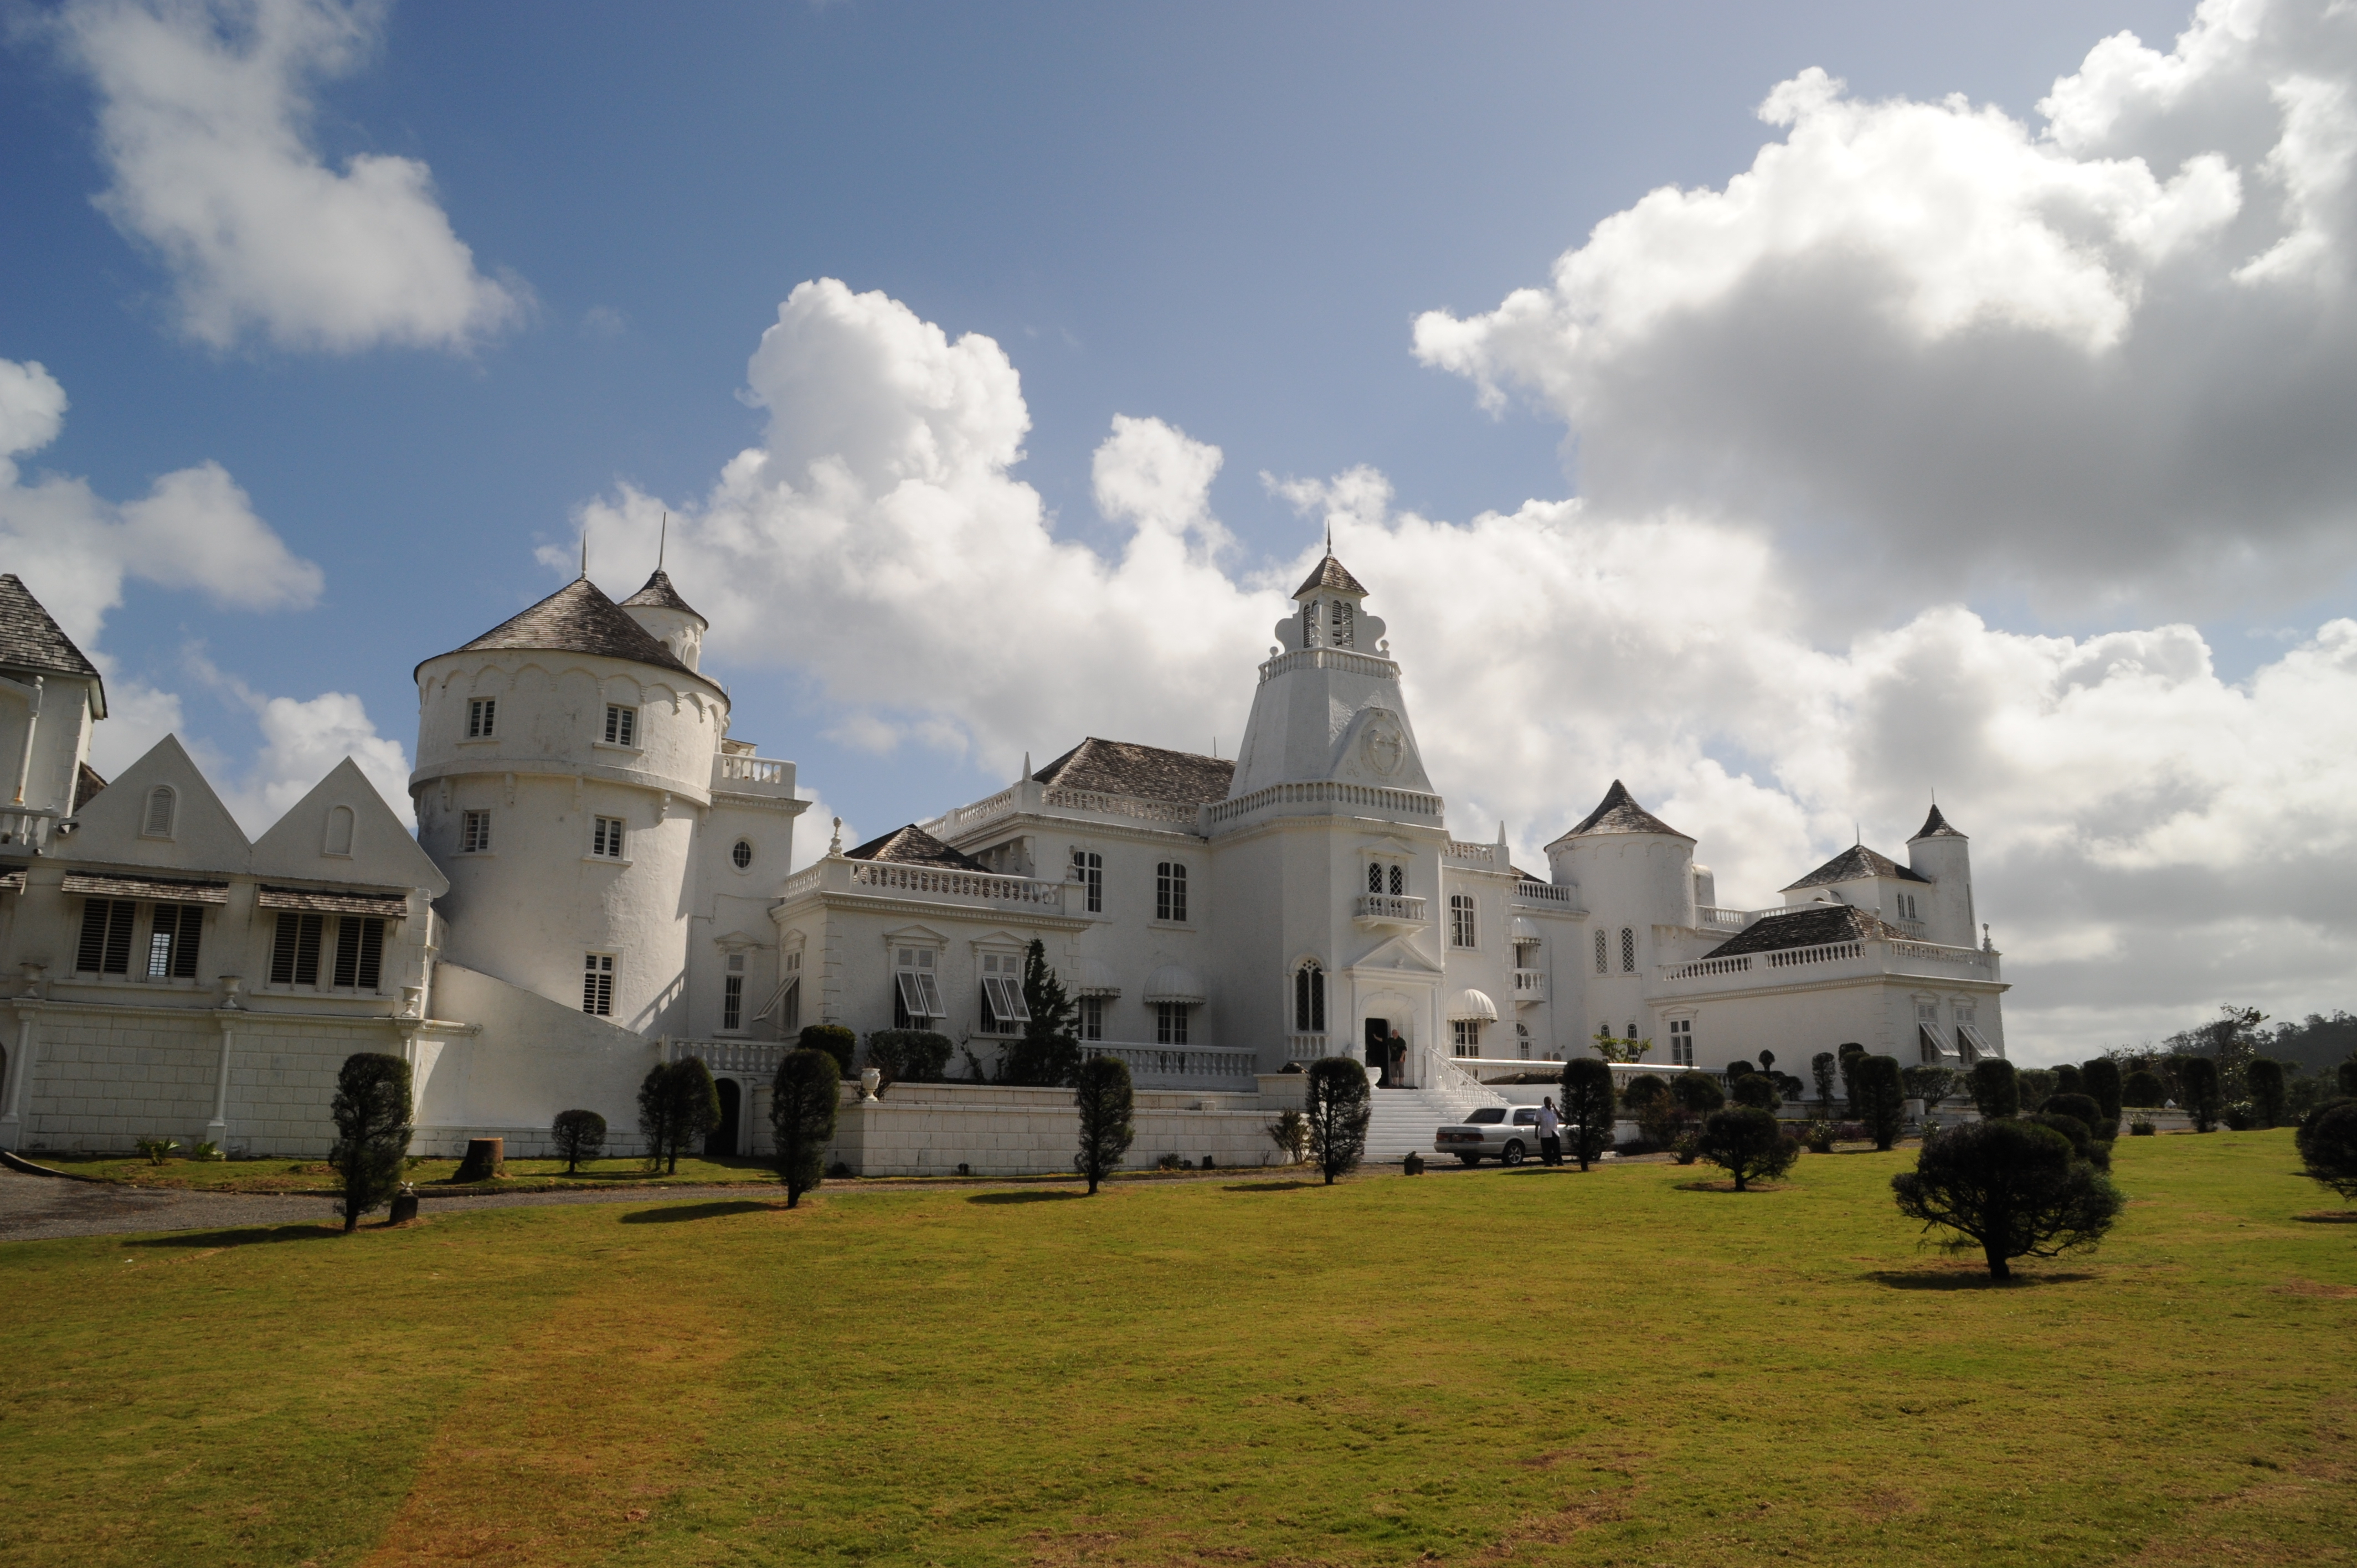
x: 1943, y: 855
x: 563, y: 758
x: 1634, y: 873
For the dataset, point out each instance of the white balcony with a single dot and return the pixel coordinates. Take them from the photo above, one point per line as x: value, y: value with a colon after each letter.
x: 928, y: 884
x: 1389, y: 911
x: 738, y: 773
x: 24, y: 831
x: 1530, y: 985
x: 1833, y: 961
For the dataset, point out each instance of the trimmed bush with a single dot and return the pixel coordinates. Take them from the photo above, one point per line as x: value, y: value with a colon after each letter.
x: 2066, y: 1080
x: 2081, y: 1107
x: 1686, y: 1149
x: 2197, y: 1081
x: 1819, y: 1138
x: 691, y: 1110
x: 1882, y: 1099
x: 2036, y: 1083
x: 1845, y: 1060
x: 373, y: 1131
x: 2264, y: 1078
x: 2327, y: 1141
x: 1745, y: 1141
x: 1101, y: 1093
x: 1336, y: 1110
x: 2010, y: 1187
x: 2143, y: 1129
x: 579, y: 1135
x: 1697, y: 1091
x: 1587, y: 1108
x: 2102, y: 1082
x: 2142, y: 1089
x: 2083, y: 1142
x: 909, y: 1056
x: 834, y: 1040
x: 804, y: 1098
x: 1821, y: 1069
x: 1759, y: 1092
x: 1928, y: 1084
x: 1290, y: 1133
x: 1643, y: 1090
x: 1996, y: 1088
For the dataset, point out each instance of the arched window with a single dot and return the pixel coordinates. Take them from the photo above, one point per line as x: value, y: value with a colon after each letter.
x: 339, y: 830
x: 1375, y: 877
x: 1342, y: 633
x: 1399, y: 879
x: 161, y: 807
x: 1171, y: 891
x: 1309, y: 624
x: 1628, y: 950
x: 1460, y: 920
x: 1309, y: 999
x: 1600, y: 942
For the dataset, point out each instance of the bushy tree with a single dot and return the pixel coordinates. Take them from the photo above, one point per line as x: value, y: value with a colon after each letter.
x: 373, y: 1131
x: 2197, y: 1081
x: 1882, y: 1099
x: 1997, y: 1089
x: 1588, y: 1108
x: 691, y: 1108
x: 2083, y: 1143
x: 1927, y: 1084
x: 2010, y: 1187
x: 804, y: 1098
x: 1821, y: 1068
x: 579, y: 1135
x: 1698, y: 1093
x: 2036, y: 1083
x: 2082, y: 1108
x: 2142, y: 1089
x: 2327, y: 1141
x: 908, y: 1056
x: 1758, y: 1090
x: 1847, y: 1057
x: 1290, y: 1133
x: 2346, y: 1073
x: 2102, y: 1081
x: 2066, y: 1080
x: 1745, y: 1142
x: 1048, y: 1055
x: 1336, y: 1110
x: 2264, y: 1078
x: 1101, y: 1093
x: 1659, y: 1117
x: 834, y: 1040
x: 654, y: 1112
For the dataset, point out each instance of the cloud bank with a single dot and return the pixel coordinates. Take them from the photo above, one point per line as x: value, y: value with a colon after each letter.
x: 204, y: 124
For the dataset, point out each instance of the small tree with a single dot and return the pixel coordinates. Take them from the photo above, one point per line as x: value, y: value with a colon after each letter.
x: 579, y: 1135
x: 691, y: 1109
x: 1048, y: 1055
x: 2327, y: 1141
x: 2142, y: 1089
x: 908, y: 1056
x: 1659, y: 1117
x: 1996, y: 1087
x: 1882, y: 1099
x: 1927, y: 1084
x: 1698, y: 1093
x: 2264, y: 1078
x: 1821, y: 1068
x: 2081, y: 1107
x: 654, y: 1112
x: 1101, y: 1093
x: 1614, y: 1048
x: 2197, y: 1080
x: 1336, y: 1110
x: 2010, y: 1187
x: 804, y: 1098
x: 2346, y: 1075
x: 373, y: 1131
x: 1758, y: 1090
x: 1745, y: 1141
x: 834, y: 1040
x: 2083, y: 1143
x: 1290, y: 1133
x: 2101, y: 1081
x: 2035, y: 1083
x: 1588, y: 1108
x: 1847, y: 1057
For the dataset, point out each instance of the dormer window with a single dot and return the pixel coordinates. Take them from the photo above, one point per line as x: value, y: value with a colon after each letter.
x: 1341, y: 617
x: 162, y: 806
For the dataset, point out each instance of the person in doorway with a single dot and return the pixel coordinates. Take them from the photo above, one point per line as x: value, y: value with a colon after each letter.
x: 1550, y: 1134
x: 1396, y: 1066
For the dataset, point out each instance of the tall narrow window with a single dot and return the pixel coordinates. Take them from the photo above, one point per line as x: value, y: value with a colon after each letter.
x: 1628, y: 950
x: 1003, y: 1009
x: 1171, y: 891
x: 732, y: 994
x: 1309, y: 999
x: 1399, y: 879
x: 1091, y: 867
x: 340, y: 831
x: 1170, y: 1023
x: 172, y: 942
x: 1375, y: 877
x: 597, y: 985
x: 1682, y: 1042
x: 1309, y: 629
x: 161, y: 805
x: 1092, y: 1017
x: 1467, y: 1037
x: 294, y: 951
x: 1599, y: 953
x: 482, y: 713
x: 917, y: 993
x: 621, y: 724
x: 1342, y: 617
x: 605, y: 838
x: 359, y: 951
x: 105, y: 935
x: 1460, y: 920
x: 474, y: 833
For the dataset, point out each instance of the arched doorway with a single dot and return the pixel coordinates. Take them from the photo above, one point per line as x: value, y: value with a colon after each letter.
x: 722, y: 1140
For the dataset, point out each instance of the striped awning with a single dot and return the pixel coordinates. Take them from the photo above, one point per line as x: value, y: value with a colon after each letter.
x: 1174, y: 983
x: 1095, y: 979
x: 1524, y: 932
x: 1472, y: 1005
x: 334, y: 902
x: 163, y: 890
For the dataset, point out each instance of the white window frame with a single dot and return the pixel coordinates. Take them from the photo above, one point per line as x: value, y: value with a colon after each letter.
x: 1464, y: 925
x: 1603, y: 950
x: 1090, y: 866
x: 474, y: 831
x: 916, y: 974
x: 167, y: 799
x: 741, y: 854
x: 622, y: 726
x: 598, y: 971
x: 608, y: 838
x: 1465, y: 1037
x: 1171, y: 891
x: 482, y: 717
x: 1628, y: 949
x: 1171, y: 1024
x: 1092, y: 1017
x: 1682, y: 1042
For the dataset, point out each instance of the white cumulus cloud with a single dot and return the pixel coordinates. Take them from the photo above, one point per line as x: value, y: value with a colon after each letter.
x: 205, y: 119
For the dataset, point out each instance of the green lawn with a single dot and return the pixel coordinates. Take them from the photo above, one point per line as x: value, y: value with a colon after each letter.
x: 1618, y: 1366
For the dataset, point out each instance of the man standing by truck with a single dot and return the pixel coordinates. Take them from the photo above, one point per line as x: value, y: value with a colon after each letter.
x: 1550, y: 1134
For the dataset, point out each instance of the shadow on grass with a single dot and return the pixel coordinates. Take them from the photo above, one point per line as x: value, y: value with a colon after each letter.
x: 1270, y: 1186
x: 1570, y: 1166
x: 1049, y: 1196
x: 1727, y: 1185
x: 1965, y: 1279
x: 678, y: 1212
x: 2328, y: 1217
x: 248, y: 1235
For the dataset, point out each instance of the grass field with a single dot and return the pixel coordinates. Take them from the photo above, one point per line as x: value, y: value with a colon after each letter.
x: 1621, y: 1366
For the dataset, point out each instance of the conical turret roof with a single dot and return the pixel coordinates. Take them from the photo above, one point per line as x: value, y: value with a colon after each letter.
x: 1619, y: 812
x: 1331, y: 573
x: 1935, y: 826
x: 659, y: 594
x: 580, y: 619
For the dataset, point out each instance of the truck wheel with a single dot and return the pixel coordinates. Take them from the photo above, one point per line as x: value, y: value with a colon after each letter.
x: 1513, y: 1154
x: 1470, y: 1159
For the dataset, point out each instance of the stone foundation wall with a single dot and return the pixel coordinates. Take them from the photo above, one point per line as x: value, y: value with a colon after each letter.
x: 932, y: 1129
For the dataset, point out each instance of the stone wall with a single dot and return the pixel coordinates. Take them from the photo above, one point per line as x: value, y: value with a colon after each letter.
x: 932, y: 1129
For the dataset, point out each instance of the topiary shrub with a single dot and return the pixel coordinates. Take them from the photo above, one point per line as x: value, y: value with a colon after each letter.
x: 1819, y: 1138
x: 2082, y: 1107
x: 1659, y: 1117
x: 691, y: 1110
x: 1845, y: 1060
x: 2143, y: 1129
x: 2327, y: 1141
x: 1335, y: 1105
x: 2035, y: 1084
x: 1643, y: 1090
x: 1587, y: 1108
x: 1101, y: 1093
x: 1882, y: 1099
x: 373, y: 1131
x: 1697, y: 1091
x: 1821, y: 1069
x: 804, y: 1098
x: 1758, y: 1091
x: 2142, y: 1089
x: 578, y: 1135
x: 2066, y: 1080
x: 1745, y: 1141
x: 834, y: 1040
x: 1928, y: 1084
x: 1686, y: 1149
x: 2010, y: 1187
x: 1996, y: 1088
x: 909, y: 1056
x: 2101, y: 1081
x: 2264, y: 1080
x: 2083, y: 1143
x: 2197, y: 1081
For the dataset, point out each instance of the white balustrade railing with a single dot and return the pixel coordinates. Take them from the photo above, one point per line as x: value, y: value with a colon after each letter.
x: 837, y: 875
x: 1530, y: 985
x: 751, y: 769
x: 24, y: 828
x: 1307, y: 1047
x: 1471, y: 854
x: 1546, y: 893
x: 1226, y: 1066
x: 755, y: 1060
x: 1823, y: 952
x: 1391, y: 908
x: 961, y: 818
x: 1136, y: 807
x: 1891, y: 957
x: 1328, y: 659
x: 1328, y: 792
x: 1938, y: 953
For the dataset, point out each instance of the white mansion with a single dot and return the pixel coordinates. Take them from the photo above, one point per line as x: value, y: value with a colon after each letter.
x: 599, y: 878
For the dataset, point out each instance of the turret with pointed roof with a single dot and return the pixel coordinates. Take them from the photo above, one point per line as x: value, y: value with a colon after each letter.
x: 668, y: 619
x: 1619, y: 812
x: 577, y: 618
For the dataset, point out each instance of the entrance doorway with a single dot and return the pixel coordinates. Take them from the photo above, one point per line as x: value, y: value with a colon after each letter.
x: 1379, y: 1032
x: 722, y: 1140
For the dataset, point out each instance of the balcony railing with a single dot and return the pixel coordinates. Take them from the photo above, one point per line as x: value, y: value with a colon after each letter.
x: 25, y: 830
x: 1547, y: 893
x: 1328, y: 659
x: 1180, y: 1066
x: 1463, y: 854
x: 1328, y: 792
x: 1897, y: 956
x: 892, y: 878
x: 755, y: 1060
x: 1390, y: 909
x: 1530, y: 985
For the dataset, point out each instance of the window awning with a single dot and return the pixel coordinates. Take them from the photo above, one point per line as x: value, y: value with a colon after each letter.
x: 920, y: 997
x: 164, y: 889
x: 1095, y: 979
x: 1470, y: 1004
x: 327, y: 901
x: 1974, y: 1048
x: 1005, y: 997
x: 1524, y: 931
x: 784, y: 986
x: 1173, y: 982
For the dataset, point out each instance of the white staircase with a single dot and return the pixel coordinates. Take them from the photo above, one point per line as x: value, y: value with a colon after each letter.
x: 1403, y: 1120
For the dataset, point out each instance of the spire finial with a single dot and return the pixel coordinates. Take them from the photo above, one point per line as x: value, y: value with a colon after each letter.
x: 834, y: 845
x: 662, y: 540
x: 1027, y: 767
x: 584, y: 554
x: 1330, y: 536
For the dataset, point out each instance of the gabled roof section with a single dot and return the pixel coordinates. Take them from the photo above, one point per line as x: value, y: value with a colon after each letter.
x: 1331, y: 573
x: 204, y: 838
x: 1853, y: 864
x: 912, y: 845
x: 659, y: 594
x: 1619, y: 812
x: 1149, y: 772
x: 1935, y: 826
x: 1810, y: 926
x: 30, y: 638
x: 579, y: 618
x: 381, y: 852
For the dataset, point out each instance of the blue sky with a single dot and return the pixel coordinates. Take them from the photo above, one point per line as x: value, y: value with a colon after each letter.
x: 1226, y: 219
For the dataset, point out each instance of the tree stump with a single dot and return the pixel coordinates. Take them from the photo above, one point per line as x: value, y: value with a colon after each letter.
x: 485, y: 1159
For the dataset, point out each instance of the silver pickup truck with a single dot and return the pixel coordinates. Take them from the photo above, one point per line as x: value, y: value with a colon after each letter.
x: 1507, y: 1133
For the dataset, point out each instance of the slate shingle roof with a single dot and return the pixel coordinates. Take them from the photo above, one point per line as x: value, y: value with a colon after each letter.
x: 1852, y: 863
x: 87, y: 783
x: 1331, y: 573
x: 1935, y: 826
x: 1149, y: 772
x: 912, y: 845
x: 660, y: 595
x: 1619, y: 812
x: 1810, y: 927
x: 30, y: 640
x: 579, y: 618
